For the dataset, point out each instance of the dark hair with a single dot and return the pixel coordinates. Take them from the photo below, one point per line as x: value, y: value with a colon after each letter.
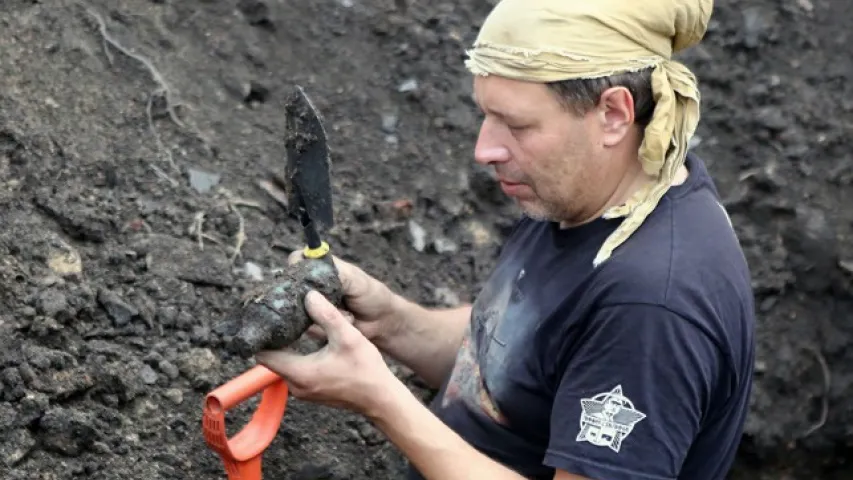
x: 582, y: 95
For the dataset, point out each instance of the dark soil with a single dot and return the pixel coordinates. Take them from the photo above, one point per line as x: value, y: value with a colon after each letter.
x: 130, y: 164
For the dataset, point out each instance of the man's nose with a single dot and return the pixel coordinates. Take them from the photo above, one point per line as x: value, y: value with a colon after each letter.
x: 490, y: 149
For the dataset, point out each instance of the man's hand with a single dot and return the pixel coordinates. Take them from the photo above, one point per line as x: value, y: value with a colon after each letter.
x: 425, y: 340
x: 348, y: 372
x: 371, y: 306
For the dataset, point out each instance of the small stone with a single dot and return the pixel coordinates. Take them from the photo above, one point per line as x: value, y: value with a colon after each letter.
x: 200, y: 334
x: 64, y: 260
x: 767, y: 304
x: 771, y: 118
x: 237, y: 86
x: 203, y: 181
x: 60, y: 384
x: 32, y: 408
x: 167, y: 316
x: 101, y: 448
x: 8, y: 415
x: 144, y: 408
x: 50, y: 281
x: 66, y: 431
x: 120, y: 311
x: 389, y: 122
x: 253, y: 271
x: 169, y: 369
x: 42, y: 326
x: 16, y: 446
x: 444, y: 245
x: 174, y: 395
x: 480, y: 233
x: 417, y: 235
x: 453, y: 205
x: 148, y: 375
x: 409, y: 85
x: 446, y: 297
x: 197, y: 362
x: 694, y: 142
x: 52, y: 302
x: 369, y: 434
x: 123, y: 379
x: 11, y: 376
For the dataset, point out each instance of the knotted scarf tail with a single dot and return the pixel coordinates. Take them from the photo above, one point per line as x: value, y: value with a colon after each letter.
x: 663, y: 150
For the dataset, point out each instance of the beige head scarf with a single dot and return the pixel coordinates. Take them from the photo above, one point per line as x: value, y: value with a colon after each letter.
x: 552, y: 40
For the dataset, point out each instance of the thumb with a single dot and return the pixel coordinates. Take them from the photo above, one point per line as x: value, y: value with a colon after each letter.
x: 326, y: 315
x: 293, y: 367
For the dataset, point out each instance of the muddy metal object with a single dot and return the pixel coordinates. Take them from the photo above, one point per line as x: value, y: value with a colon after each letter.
x: 274, y: 316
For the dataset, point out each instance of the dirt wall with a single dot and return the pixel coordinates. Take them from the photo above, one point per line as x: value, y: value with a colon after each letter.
x: 133, y: 135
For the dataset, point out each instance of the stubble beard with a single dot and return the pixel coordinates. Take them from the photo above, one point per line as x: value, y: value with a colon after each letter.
x: 542, y: 211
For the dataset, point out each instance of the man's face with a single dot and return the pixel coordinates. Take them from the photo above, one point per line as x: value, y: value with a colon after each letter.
x: 557, y: 165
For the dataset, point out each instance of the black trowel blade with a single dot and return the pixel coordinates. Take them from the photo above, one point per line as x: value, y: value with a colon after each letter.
x: 308, y: 171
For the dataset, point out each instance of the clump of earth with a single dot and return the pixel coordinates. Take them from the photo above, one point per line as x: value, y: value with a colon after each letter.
x: 135, y: 140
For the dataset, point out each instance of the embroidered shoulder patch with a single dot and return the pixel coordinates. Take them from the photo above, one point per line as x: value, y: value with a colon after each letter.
x: 607, y: 419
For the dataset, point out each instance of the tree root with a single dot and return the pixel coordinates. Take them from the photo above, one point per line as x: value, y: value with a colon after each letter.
x: 163, y: 90
x: 197, y: 229
x: 827, y: 384
x: 232, y: 202
x: 240, y: 238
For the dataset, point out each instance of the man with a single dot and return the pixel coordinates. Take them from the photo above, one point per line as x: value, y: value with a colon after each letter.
x: 614, y: 339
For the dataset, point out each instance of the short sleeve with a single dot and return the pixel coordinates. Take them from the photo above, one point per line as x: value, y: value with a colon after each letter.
x: 632, y: 395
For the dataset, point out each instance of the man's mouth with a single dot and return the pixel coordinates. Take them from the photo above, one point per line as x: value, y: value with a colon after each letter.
x: 507, y: 182
x: 511, y: 188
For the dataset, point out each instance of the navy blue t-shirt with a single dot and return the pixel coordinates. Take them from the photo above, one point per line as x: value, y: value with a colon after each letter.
x: 638, y: 369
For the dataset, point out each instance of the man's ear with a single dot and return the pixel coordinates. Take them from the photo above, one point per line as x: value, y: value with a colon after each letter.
x: 616, y: 107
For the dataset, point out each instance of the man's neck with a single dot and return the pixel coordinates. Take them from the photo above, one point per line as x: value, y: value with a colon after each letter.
x: 630, y: 185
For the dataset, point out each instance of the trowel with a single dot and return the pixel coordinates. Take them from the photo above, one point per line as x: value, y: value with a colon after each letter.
x: 308, y: 178
x: 273, y: 316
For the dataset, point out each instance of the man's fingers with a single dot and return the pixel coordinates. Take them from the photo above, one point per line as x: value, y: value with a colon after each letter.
x: 295, y: 257
x: 316, y: 332
x: 348, y: 316
x: 326, y: 315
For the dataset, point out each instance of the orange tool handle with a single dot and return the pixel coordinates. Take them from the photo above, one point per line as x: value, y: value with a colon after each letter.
x: 242, y: 453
